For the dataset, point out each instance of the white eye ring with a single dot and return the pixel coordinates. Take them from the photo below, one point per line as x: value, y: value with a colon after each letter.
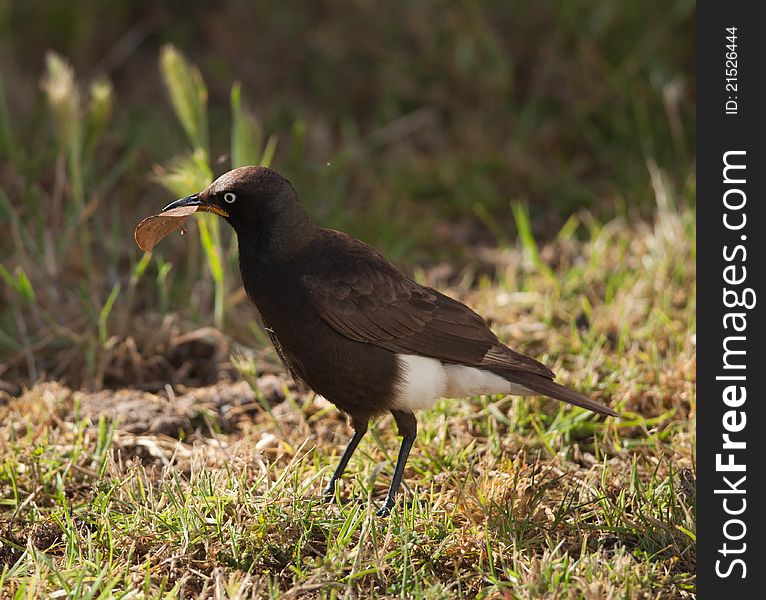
x: 230, y: 197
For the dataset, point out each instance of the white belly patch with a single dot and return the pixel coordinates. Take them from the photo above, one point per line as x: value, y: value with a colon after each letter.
x: 422, y: 381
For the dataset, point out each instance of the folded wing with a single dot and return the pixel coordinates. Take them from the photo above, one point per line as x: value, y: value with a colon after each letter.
x: 367, y: 299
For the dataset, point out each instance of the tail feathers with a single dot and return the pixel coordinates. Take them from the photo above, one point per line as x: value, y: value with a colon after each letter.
x: 546, y: 387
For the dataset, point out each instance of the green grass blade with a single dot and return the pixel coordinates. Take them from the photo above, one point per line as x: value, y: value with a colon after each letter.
x: 209, y: 230
x: 269, y: 150
x: 246, y: 132
x: 527, y: 239
x: 103, y: 316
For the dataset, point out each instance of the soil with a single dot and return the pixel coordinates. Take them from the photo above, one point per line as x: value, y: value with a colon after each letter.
x: 180, y: 415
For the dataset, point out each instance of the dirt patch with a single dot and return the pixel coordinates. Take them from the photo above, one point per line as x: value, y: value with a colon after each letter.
x: 180, y: 415
x: 43, y: 536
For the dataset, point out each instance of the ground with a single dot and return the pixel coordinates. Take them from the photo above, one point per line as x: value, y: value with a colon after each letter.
x: 213, y: 491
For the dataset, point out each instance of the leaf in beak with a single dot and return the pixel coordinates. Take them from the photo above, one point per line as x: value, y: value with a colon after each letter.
x: 152, y: 229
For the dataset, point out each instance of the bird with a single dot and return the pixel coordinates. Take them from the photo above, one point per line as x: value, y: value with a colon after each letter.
x: 353, y: 327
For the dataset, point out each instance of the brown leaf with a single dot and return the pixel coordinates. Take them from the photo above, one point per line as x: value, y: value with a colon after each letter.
x: 152, y: 229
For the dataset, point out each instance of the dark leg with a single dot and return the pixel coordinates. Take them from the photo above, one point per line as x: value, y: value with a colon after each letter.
x: 359, y: 430
x: 408, y: 429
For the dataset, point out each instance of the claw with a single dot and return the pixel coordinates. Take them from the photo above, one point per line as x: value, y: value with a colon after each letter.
x: 385, y: 510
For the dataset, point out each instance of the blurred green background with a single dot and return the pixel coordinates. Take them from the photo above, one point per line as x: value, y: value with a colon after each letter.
x: 415, y: 126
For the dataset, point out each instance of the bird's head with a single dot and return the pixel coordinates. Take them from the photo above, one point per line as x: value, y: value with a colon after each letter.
x: 259, y: 203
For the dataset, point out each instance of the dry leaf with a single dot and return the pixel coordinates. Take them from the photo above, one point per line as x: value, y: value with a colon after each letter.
x: 152, y: 229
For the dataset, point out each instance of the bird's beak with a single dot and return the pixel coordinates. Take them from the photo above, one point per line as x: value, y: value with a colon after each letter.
x: 194, y: 200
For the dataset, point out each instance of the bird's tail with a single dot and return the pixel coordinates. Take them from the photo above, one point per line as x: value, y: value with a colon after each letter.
x: 546, y: 387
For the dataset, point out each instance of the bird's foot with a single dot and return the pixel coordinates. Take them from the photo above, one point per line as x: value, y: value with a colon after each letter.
x: 330, y: 498
x: 328, y: 494
x: 385, y: 510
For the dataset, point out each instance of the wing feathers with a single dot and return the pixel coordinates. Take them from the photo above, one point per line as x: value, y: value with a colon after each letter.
x: 366, y: 298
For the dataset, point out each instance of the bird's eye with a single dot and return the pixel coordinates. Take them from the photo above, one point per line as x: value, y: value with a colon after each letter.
x: 230, y: 197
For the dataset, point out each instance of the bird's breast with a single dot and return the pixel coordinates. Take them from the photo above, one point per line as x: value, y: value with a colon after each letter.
x: 356, y: 377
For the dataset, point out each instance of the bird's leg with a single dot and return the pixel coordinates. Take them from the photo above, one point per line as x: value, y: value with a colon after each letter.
x: 408, y: 429
x: 360, y: 428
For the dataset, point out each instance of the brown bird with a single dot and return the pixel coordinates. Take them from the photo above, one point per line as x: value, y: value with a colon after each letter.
x: 356, y: 329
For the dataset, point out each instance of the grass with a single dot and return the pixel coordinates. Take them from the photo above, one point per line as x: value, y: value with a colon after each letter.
x: 505, y: 497
x: 535, y: 162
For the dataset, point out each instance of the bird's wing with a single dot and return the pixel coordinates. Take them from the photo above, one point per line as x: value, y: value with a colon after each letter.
x: 366, y: 298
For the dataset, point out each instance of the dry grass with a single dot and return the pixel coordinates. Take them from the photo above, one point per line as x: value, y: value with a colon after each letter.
x: 213, y: 492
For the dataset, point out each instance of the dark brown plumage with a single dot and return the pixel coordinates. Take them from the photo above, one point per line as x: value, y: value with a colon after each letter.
x: 351, y: 325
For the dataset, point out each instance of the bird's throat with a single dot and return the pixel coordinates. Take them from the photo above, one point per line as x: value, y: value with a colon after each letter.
x: 267, y: 266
